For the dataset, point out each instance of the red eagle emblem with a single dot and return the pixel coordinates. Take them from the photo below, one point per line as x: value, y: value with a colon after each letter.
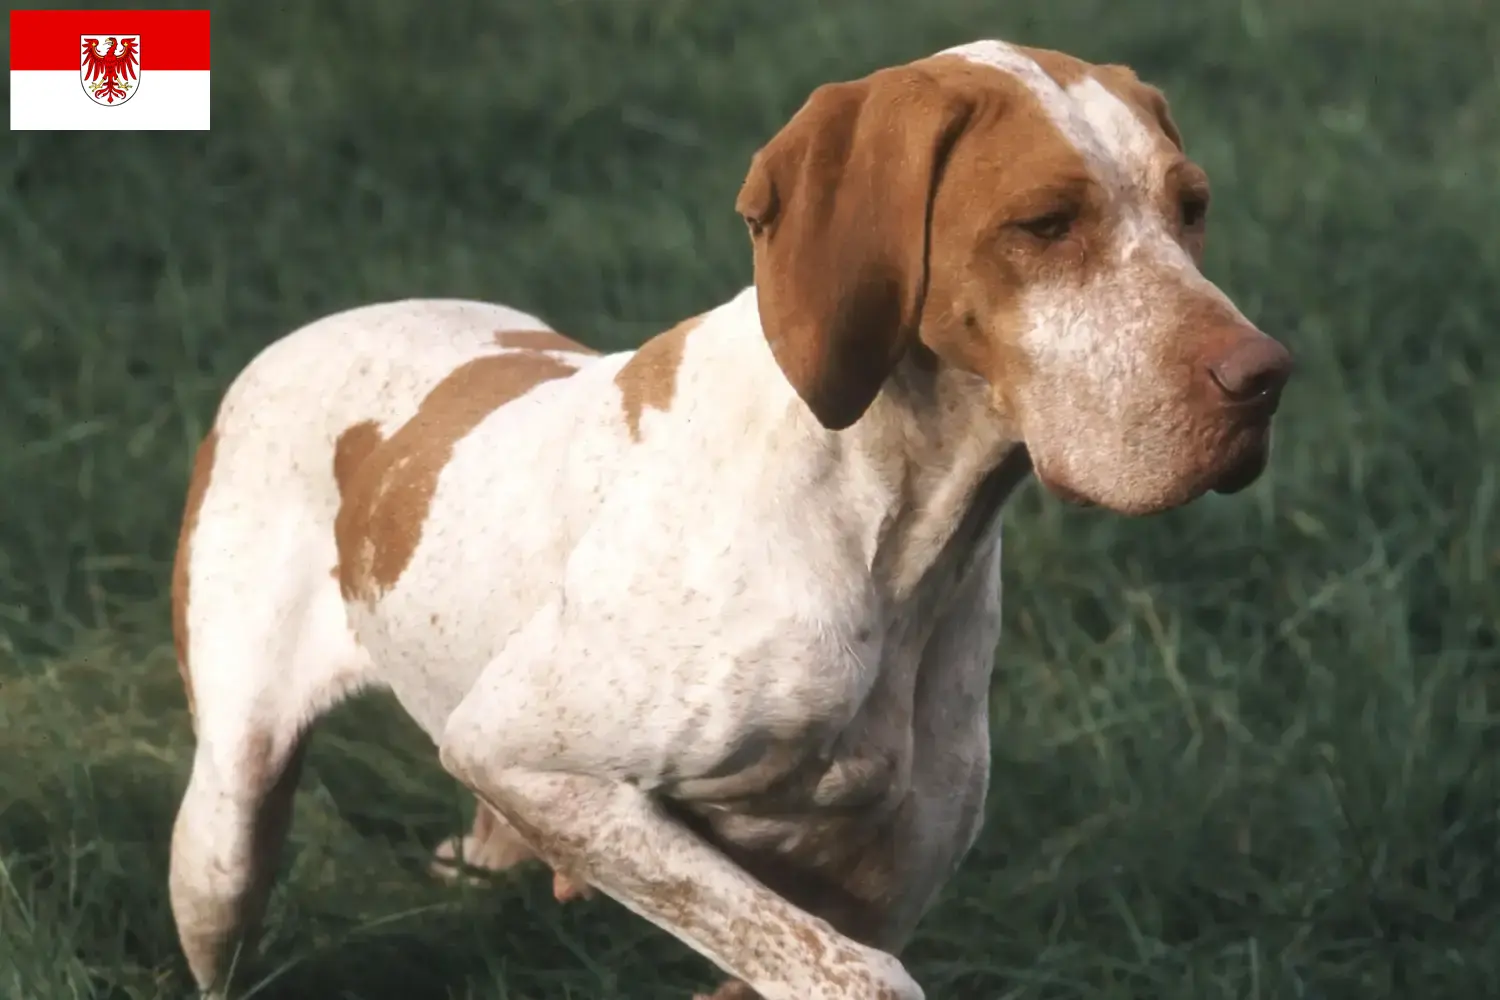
x: 111, y: 73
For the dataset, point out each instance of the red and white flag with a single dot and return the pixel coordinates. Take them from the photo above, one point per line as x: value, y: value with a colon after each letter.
x: 109, y: 69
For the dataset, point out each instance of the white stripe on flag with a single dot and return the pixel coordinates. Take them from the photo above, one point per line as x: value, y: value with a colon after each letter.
x: 170, y: 100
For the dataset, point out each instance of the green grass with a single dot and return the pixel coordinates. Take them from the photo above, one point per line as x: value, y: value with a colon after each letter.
x: 1243, y: 750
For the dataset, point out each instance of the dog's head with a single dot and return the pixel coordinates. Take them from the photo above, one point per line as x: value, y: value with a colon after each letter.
x: 1030, y: 219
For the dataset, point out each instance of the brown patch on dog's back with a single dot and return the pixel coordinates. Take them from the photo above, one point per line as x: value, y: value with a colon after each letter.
x: 356, y: 444
x: 540, y: 340
x: 203, y: 464
x: 649, y: 378
x: 351, y: 449
x: 386, y: 499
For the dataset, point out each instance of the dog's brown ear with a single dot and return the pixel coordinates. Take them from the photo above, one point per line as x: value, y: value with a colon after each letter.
x: 839, y: 204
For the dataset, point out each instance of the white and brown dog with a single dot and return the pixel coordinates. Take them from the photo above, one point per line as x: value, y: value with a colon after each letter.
x: 709, y: 626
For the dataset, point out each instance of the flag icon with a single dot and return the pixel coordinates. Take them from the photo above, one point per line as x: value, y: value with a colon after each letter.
x: 116, y: 70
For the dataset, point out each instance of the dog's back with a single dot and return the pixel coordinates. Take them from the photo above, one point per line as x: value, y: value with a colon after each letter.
x: 256, y: 579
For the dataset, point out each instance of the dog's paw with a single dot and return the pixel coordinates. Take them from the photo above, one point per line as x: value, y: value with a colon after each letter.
x: 732, y: 990
x: 494, y: 846
x: 565, y: 890
x: 450, y: 859
x: 476, y: 854
x: 465, y: 860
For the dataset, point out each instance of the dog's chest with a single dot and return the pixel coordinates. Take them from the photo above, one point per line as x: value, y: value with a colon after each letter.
x: 827, y: 831
x: 860, y: 833
x: 865, y: 832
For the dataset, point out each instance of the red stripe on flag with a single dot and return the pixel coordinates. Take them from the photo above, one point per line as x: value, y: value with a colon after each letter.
x: 50, y: 39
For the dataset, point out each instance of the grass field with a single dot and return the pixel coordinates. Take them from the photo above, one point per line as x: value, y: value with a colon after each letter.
x: 1245, y: 750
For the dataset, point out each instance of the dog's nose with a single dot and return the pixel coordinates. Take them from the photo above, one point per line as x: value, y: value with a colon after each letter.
x: 1254, y: 370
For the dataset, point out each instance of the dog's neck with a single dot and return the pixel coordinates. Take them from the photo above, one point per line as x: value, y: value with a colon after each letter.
x: 928, y: 465
x: 959, y: 461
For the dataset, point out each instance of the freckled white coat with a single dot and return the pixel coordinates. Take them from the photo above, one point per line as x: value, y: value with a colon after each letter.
x: 730, y: 636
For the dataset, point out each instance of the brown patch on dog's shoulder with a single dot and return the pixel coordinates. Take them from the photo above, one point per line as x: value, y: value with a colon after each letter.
x: 540, y: 340
x: 649, y: 378
x: 203, y: 464
x: 386, y: 500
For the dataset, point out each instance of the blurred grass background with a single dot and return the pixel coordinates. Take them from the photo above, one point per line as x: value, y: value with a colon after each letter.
x: 1243, y: 750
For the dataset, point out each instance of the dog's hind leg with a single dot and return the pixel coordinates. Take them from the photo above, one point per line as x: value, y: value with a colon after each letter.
x: 225, y: 846
x: 264, y: 647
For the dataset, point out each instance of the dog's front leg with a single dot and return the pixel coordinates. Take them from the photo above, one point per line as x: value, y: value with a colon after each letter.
x: 597, y: 701
x: 617, y: 838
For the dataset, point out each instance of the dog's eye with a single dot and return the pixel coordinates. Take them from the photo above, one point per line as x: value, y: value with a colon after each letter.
x: 1050, y: 227
x: 1194, y: 210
